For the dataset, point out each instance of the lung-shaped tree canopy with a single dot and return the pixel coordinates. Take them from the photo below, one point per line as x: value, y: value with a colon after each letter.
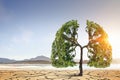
x: 63, y: 47
x: 99, y: 48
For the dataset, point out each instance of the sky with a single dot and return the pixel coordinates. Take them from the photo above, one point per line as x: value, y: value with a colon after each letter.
x: 28, y: 27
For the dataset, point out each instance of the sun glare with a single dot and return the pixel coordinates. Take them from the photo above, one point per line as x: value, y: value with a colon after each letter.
x: 114, y: 41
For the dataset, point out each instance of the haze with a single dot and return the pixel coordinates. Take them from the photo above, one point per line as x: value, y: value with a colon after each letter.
x: 28, y: 27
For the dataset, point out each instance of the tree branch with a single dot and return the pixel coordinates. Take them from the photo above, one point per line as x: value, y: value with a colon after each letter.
x: 73, y: 41
x: 70, y: 39
x: 85, y: 46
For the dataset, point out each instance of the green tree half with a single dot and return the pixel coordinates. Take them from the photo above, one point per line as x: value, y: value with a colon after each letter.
x: 99, y: 48
x: 66, y: 41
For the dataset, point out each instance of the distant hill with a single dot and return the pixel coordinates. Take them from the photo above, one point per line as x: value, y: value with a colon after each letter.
x: 116, y: 61
x: 40, y: 58
x: 6, y: 60
x: 36, y: 60
x: 32, y: 62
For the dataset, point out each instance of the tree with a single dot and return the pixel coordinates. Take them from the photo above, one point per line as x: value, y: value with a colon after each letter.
x: 66, y: 41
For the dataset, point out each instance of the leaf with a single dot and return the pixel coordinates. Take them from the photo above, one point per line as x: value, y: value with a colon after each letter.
x: 98, y: 46
x: 63, y: 47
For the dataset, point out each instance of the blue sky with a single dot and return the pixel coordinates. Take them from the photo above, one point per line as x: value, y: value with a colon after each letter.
x: 28, y: 27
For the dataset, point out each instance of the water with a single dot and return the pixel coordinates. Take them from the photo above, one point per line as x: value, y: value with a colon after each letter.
x: 49, y: 66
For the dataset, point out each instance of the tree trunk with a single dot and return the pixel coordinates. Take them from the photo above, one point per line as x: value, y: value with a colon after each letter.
x: 81, y: 61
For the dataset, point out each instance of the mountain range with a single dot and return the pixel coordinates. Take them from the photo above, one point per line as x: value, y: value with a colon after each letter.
x: 6, y: 60
x: 41, y: 60
x: 38, y: 59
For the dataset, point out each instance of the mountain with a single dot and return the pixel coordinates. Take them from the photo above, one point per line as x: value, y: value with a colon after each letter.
x: 40, y: 58
x: 6, y: 60
x: 36, y: 60
x: 32, y: 62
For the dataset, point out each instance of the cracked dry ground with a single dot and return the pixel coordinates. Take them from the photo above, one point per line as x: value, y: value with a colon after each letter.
x: 59, y: 75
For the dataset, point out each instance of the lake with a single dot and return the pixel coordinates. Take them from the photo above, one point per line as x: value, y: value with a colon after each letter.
x: 49, y: 66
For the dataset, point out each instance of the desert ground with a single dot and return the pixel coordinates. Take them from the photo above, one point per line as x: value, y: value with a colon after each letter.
x: 59, y: 75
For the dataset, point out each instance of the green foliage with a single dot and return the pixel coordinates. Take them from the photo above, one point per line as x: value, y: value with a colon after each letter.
x: 99, y: 48
x: 63, y: 47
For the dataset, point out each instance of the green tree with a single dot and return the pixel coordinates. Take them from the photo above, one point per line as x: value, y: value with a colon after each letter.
x: 66, y: 41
